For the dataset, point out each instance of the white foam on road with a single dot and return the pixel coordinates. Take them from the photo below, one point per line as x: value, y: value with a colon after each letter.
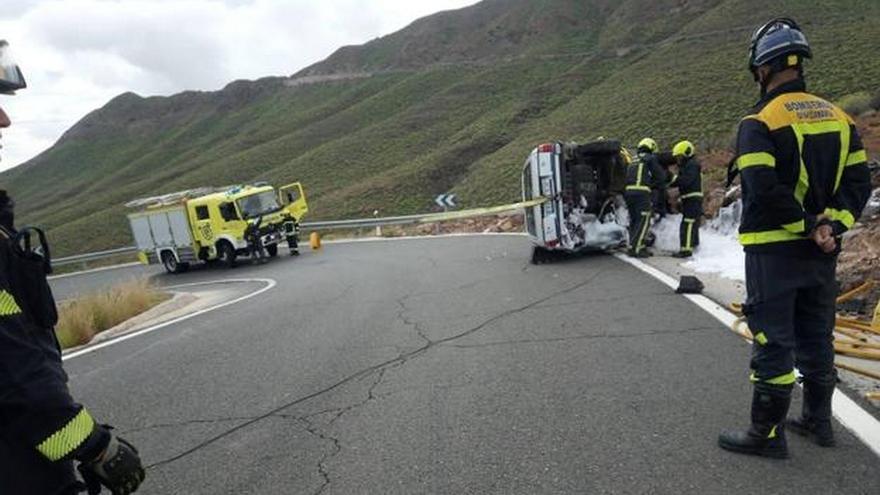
x: 719, y: 251
x: 861, y: 423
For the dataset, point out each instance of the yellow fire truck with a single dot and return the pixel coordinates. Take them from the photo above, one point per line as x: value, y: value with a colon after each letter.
x: 208, y: 224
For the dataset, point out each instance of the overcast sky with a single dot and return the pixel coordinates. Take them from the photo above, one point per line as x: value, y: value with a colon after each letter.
x: 78, y: 54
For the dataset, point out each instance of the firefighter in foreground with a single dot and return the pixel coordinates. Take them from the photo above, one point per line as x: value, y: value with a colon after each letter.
x: 805, y: 182
x: 689, y: 182
x: 42, y: 429
x: 641, y: 180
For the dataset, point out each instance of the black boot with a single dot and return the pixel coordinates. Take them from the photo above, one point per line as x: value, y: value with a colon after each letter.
x: 766, y: 436
x: 815, y: 420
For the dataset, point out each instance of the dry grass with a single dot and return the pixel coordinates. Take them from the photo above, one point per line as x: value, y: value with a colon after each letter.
x: 83, y: 318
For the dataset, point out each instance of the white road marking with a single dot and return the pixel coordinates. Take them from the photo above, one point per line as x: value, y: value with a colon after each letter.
x: 270, y: 283
x: 861, y: 423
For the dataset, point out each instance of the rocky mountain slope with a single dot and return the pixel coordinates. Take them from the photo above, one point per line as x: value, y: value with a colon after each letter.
x: 453, y: 102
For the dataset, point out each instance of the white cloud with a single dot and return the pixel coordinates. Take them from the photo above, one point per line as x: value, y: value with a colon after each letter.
x: 78, y: 54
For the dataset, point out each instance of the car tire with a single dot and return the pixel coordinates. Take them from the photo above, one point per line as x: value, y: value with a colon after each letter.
x: 272, y: 250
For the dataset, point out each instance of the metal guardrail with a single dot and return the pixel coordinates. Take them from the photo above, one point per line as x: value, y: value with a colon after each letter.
x: 82, y: 258
x: 339, y: 224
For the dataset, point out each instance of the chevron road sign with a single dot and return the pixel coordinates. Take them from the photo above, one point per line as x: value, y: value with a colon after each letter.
x: 445, y: 201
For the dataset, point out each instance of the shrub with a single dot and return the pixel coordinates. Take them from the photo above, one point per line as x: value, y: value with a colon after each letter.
x: 83, y: 318
x: 856, y: 104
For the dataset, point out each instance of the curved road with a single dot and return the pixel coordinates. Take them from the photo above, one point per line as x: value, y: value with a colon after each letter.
x: 446, y: 365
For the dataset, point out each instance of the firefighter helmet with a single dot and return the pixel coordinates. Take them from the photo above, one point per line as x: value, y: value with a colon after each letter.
x: 683, y: 148
x: 648, y: 144
x: 11, y: 78
x: 779, y: 42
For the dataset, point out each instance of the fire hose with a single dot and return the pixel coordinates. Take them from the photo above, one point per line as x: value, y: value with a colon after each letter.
x: 852, y: 340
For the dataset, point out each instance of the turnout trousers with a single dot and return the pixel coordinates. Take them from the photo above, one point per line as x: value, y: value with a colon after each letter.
x: 791, y: 308
x: 689, y: 231
x: 639, y: 205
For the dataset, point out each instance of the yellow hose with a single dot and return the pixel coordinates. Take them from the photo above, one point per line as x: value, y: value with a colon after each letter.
x: 855, y: 292
x: 856, y: 369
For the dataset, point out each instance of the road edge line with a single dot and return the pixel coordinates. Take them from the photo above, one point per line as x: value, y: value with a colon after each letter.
x: 853, y: 417
x: 270, y: 283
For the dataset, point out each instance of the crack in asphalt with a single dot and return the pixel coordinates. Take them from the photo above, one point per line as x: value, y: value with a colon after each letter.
x: 336, y: 443
x: 188, y: 422
x: 417, y: 328
x: 572, y: 338
x: 395, y: 362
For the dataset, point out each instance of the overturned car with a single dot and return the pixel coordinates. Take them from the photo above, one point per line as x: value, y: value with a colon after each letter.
x: 583, y: 185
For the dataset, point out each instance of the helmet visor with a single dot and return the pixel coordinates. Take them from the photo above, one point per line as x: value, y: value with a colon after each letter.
x: 11, y: 78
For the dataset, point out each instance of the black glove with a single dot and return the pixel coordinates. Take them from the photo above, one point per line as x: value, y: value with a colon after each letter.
x: 118, y: 468
x: 732, y: 172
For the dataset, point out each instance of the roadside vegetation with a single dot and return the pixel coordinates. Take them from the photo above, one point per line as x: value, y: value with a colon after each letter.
x: 81, y: 319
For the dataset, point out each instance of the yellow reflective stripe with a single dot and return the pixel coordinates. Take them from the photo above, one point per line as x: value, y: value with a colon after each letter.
x: 844, y: 154
x: 8, y: 306
x: 857, y: 158
x: 688, y: 244
x: 796, y: 227
x: 646, y: 219
x: 67, y: 439
x: 803, y: 182
x: 813, y: 128
x: 761, y: 338
x: 772, y: 432
x: 638, y: 188
x: 842, y: 216
x: 641, y: 166
x: 692, y: 195
x: 766, y: 237
x: 786, y: 379
x: 755, y: 159
x: 673, y: 178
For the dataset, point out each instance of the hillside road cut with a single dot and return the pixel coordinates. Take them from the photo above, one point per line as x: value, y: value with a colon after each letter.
x: 447, y: 365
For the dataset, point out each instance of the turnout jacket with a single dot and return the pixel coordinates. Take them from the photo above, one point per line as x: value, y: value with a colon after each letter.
x: 689, y: 180
x: 36, y: 409
x: 645, y: 173
x: 799, y: 157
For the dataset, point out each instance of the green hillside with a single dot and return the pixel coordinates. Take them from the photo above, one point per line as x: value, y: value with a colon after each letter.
x: 453, y: 102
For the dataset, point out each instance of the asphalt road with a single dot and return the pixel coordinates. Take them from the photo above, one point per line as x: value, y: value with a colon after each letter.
x: 447, y: 366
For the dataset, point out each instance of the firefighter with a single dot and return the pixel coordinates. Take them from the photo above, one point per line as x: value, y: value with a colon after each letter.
x: 255, y: 241
x: 659, y: 179
x: 639, y: 179
x: 804, y: 182
x: 43, y: 431
x: 689, y: 182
